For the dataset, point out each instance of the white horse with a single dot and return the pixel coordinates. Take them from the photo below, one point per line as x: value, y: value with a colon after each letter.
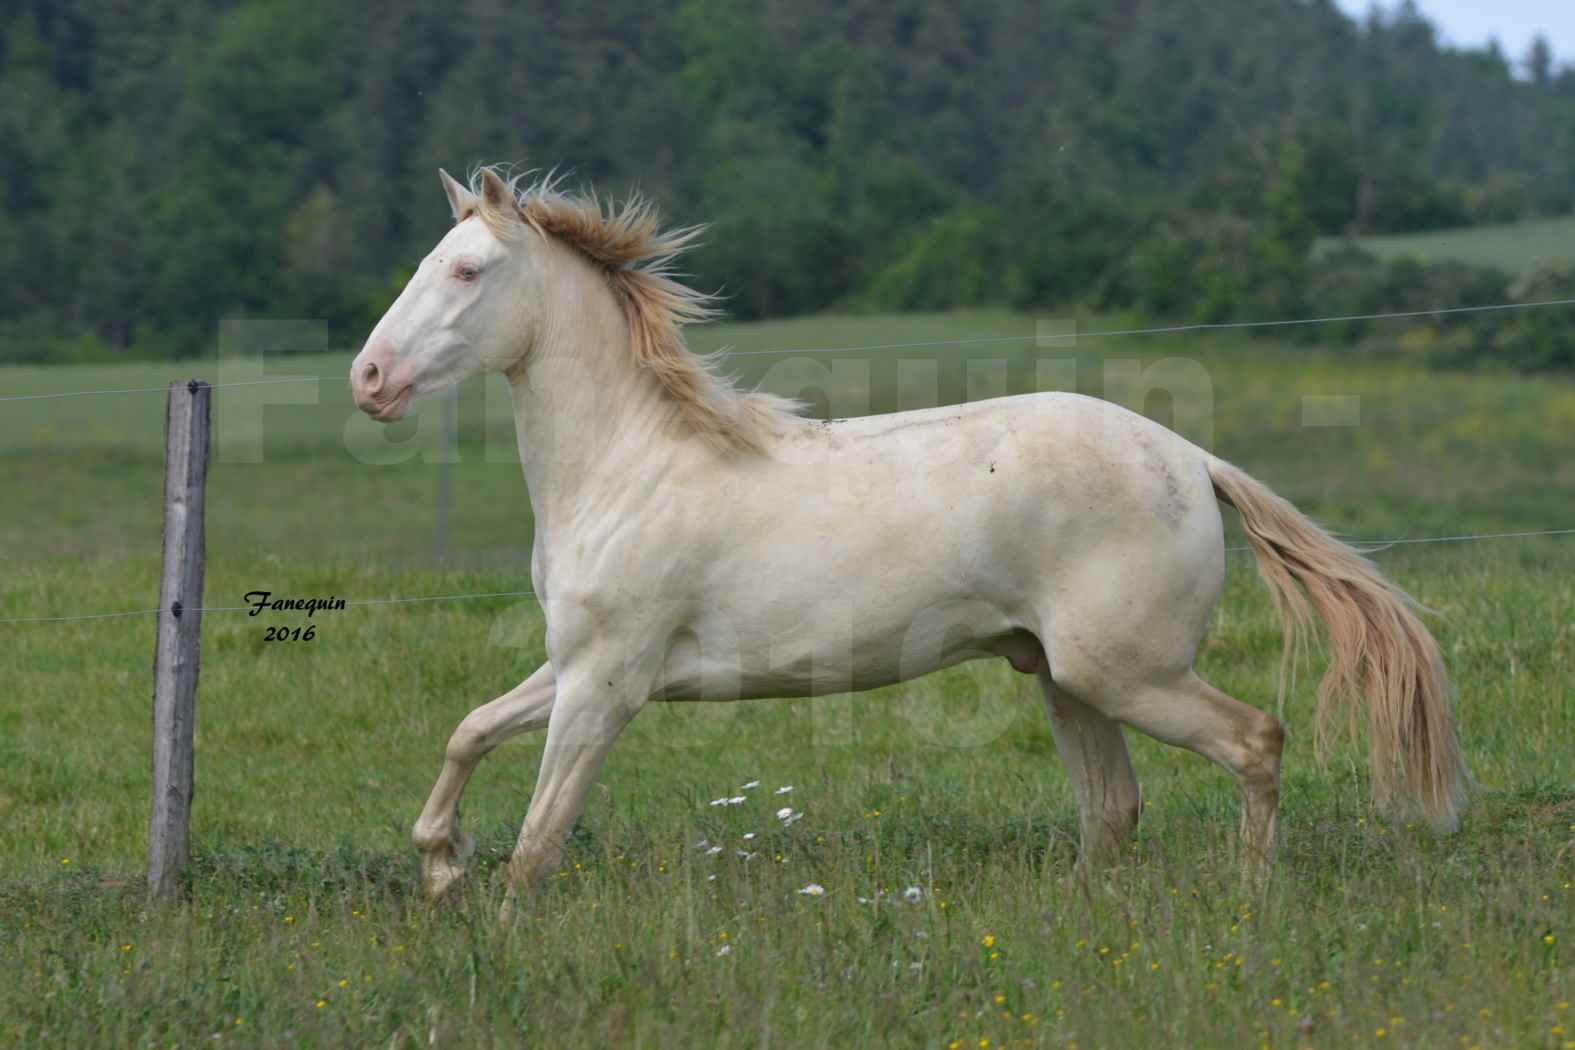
x: 695, y: 541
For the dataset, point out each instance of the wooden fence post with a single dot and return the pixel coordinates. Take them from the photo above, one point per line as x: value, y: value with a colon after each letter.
x: 179, y: 627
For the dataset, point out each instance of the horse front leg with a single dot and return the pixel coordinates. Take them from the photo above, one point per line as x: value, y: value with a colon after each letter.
x: 444, y: 848
x: 593, y: 705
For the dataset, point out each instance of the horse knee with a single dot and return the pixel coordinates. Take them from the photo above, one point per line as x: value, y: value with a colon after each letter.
x: 467, y: 744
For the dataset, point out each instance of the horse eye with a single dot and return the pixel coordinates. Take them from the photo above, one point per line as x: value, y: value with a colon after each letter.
x: 467, y: 273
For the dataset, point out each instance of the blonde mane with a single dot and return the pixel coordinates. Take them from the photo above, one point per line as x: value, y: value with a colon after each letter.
x: 629, y: 246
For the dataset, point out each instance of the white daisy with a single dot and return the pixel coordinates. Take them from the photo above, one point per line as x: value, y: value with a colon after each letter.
x: 814, y: 889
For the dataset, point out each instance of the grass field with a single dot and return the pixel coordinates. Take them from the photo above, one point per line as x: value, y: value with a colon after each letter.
x: 1513, y: 247
x: 302, y: 925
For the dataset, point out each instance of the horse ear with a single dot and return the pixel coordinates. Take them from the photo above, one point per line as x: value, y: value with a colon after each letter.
x: 460, y: 200
x: 496, y: 196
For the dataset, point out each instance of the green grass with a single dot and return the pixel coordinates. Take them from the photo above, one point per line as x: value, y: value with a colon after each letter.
x: 1514, y: 247
x: 301, y: 919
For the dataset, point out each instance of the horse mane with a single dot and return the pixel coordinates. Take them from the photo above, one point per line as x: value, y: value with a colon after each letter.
x: 636, y: 255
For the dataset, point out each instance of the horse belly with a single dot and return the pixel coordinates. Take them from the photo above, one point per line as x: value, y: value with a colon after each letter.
x: 838, y: 646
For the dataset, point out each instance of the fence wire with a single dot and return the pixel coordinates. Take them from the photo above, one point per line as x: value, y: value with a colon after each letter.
x: 1214, y: 326
x: 1366, y: 546
x: 1073, y: 336
x: 162, y: 389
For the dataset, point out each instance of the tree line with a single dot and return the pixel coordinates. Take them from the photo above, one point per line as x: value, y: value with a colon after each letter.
x: 173, y: 162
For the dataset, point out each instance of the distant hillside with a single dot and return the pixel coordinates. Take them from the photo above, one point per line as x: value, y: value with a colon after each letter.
x: 1515, y: 248
x: 171, y: 162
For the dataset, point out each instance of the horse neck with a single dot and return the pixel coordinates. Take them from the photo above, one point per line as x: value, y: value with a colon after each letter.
x: 586, y: 415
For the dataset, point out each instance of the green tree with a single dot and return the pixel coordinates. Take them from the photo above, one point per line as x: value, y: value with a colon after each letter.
x: 1539, y: 61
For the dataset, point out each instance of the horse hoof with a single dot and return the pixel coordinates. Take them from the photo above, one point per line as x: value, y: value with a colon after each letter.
x: 442, y: 874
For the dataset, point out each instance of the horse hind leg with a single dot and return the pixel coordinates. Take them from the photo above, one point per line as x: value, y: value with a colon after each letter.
x: 444, y: 847
x: 1100, y: 770
x: 1184, y: 710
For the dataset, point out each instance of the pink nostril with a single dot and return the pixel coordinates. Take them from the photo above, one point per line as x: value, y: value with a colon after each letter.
x: 371, y: 378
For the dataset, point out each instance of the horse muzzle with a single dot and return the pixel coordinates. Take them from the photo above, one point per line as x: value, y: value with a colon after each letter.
x: 370, y: 385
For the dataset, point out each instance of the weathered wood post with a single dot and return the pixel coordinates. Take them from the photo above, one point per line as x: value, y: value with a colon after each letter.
x: 179, y: 627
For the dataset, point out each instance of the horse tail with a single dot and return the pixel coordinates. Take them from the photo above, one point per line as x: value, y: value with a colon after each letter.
x: 1379, y: 650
